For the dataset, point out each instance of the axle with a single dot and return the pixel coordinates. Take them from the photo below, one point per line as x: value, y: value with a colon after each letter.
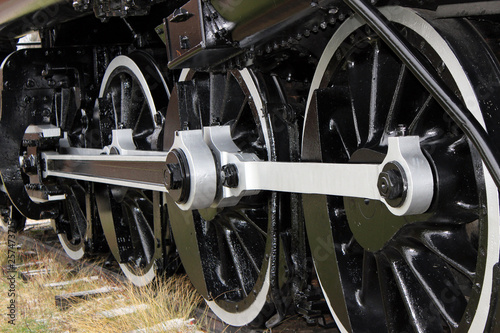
x: 204, y: 168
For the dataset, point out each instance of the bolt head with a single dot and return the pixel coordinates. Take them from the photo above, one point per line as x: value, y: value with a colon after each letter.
x: 176, y: 178
x: 173, y: 176
x: 390, y: 184
x: 229, y: 175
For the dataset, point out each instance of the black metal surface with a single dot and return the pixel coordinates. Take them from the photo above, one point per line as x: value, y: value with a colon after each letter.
x: 72, y: 222
x: 20, y: 17
x: 487, y: 148
x: 112, y: 8
x: 256, y: 19
x: 30, y: 97
x: 200, y: 39
x: 382, y: 272
x: 387, y: 259
x: 11, y: 219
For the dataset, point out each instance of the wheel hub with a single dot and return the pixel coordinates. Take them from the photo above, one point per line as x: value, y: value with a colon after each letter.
x: 370, y: 221
x: 392, y: 184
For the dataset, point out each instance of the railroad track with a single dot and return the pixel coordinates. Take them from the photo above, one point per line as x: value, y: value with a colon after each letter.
x: 39, y: 240
x: 45, y: 241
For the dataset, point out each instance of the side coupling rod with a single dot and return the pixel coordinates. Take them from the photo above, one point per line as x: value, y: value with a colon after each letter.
x: 204, y: 168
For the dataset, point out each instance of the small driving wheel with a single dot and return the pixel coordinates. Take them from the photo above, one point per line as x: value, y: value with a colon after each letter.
x: 134, y: 96
x: 421, y: 273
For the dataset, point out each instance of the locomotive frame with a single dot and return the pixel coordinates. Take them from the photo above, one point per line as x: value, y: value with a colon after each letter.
x: 319, y: 157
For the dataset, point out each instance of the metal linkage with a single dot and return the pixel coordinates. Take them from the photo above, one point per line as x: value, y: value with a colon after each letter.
x: 205, y: 169
x: 35, y: 140
x: 403, y: 181
x: 118, y: 164
x: 143, y: 172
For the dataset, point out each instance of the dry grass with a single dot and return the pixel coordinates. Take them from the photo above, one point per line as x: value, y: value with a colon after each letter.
x: 165, y: 300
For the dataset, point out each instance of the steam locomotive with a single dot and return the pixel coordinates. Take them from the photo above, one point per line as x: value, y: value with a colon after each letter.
x: 320, y: 157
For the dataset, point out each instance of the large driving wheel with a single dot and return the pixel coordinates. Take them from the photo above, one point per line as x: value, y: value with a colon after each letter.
x: 226, y: 251
x: 134, y: 95
x: 422, y: 273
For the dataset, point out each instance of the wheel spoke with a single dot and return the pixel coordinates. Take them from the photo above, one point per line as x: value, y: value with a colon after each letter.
x: 358, y: 93
x: 144, y: 129
x: 237, y: 103
x: 228, y: 274
x: 337, y: 127
x: 369, y: 292
x: 126, y: 101
x: 116, y: 107
x: 396, y: 317
x: 141, y: 233
x: 424, y: 316
x: 134, y: 235
x: 373, y: 126
x: 243, y: 272
x: 243, y: 214
x: 250, y: 243
x: 396, y: 99
x: 78, y: 220
x: 241, y: 111
x: 219, y: 97
x: 383, y: 73
x: 436, y: 278
x: 211, y: 251
x: 428, y: 103
x: 454, y: 247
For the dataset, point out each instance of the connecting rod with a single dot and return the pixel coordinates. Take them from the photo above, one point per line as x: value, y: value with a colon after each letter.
x: 205, y: 169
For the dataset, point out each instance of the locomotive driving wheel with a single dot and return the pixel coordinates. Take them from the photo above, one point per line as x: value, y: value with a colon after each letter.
x: 134, y: 97
x: 421, y: 273
x: 226, y: 250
